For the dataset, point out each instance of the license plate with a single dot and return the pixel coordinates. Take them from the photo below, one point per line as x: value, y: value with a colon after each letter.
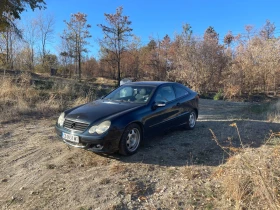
x: 70, y: 137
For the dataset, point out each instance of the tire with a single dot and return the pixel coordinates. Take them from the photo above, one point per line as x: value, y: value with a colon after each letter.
x: 130, y: 140
x: 191, y: 120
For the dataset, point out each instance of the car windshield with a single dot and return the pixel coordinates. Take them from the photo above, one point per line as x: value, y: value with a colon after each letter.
x: 131, y: 93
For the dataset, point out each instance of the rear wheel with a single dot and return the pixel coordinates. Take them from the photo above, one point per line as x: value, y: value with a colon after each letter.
x: 130, y: 140
x: 191, y: 120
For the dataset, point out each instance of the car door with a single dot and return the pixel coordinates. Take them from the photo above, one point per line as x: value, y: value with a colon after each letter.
x: 161, y: 117
x: 182, y: 104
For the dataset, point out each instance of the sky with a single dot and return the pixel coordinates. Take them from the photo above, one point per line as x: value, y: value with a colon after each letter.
x: 156, y: 18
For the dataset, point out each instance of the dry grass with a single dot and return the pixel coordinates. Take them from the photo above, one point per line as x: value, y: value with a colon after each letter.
x: 251, y: 177
x: 118, y: 169
x: 81, y: 100
x: 20, y: 99
x: 102, y: 80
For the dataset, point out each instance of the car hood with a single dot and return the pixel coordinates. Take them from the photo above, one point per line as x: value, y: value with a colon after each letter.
x: 100, y: 109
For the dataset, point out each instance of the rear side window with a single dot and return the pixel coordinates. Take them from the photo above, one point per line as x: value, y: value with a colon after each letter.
x: 180, y: 91
x: 165, y: 94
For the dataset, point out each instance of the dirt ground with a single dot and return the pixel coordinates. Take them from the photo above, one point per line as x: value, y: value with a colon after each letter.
x: 172, y: 171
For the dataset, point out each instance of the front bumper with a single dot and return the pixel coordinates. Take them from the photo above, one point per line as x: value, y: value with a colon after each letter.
x: 105, y: 143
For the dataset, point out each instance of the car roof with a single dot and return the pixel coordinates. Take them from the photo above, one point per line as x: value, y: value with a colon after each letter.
x: 153, y: 83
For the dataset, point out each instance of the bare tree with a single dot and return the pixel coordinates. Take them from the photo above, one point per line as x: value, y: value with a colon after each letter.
x: 155, y: 60
x: 30, y: 37
x: 45, y: 33
x: 267, y: 31
x: 228, y: 39
x: 76, y: 34
x: 134, y: 57
x: 8, y: 40
x: 116, y: 36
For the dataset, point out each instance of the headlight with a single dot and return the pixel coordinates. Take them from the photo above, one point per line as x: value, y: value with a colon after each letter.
x: 61, y: 119
x: 101, y: 128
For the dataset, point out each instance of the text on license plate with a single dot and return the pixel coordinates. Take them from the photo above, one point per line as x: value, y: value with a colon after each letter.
x: 70, y: 137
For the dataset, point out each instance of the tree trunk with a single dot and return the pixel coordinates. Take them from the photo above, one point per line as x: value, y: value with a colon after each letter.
x: 275, y: 90
x: 76, y: 55
x: 79, y: 60
x: 32, y: 59
x: 119, y: 72
x: 7, y: 49
x: 119, y: 59
x: 11, y: 52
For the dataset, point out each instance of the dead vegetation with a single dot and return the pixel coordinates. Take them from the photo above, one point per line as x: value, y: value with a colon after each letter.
x: 21, y: 97
x: 251, y: 177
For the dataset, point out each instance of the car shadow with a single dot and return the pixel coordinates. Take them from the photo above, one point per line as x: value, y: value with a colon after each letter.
x: 180, y: 147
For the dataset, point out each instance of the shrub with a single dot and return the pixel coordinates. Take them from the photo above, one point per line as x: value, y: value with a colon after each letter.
x: 219, y: 95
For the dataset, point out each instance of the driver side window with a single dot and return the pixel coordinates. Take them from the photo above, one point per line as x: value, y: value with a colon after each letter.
x: 125, y: 92
x: 165, y: 94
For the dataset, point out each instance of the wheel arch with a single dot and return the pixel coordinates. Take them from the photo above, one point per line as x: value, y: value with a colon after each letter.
x: 196, y: 112
x: 140, y: 125
x: 122, y: 149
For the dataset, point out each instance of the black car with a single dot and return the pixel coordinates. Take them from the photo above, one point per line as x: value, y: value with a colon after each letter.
x: 133, y: 111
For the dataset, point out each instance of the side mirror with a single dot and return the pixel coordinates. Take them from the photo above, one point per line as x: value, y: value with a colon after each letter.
x: 102, y: 97
x: 158, y: 104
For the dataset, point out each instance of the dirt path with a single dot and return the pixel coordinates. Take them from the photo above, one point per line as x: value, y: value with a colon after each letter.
x: 172, y: 171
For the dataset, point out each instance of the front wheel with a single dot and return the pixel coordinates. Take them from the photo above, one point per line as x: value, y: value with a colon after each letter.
x: 130, y: 140
x: 191, y: 120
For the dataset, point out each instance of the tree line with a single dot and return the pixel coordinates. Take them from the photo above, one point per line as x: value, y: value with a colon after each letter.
x: 245, y: 63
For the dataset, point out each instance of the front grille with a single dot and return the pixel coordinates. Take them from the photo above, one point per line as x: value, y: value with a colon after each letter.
x: 72, y: 125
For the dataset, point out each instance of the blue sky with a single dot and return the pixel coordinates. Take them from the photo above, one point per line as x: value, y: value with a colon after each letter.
x: 155, y: 18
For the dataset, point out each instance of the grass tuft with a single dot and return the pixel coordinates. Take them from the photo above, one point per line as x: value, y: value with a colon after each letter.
x: 251, y: 177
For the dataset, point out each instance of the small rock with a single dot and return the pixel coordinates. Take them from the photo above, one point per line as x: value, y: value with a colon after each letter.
x: 8, y: 134
x: 163, y: 190
x: 128, y: 197
x: 129, y: 205
x: 4, y: 180
x: 22, y: 188
x: 142, y: 199
x: 34, y: 193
